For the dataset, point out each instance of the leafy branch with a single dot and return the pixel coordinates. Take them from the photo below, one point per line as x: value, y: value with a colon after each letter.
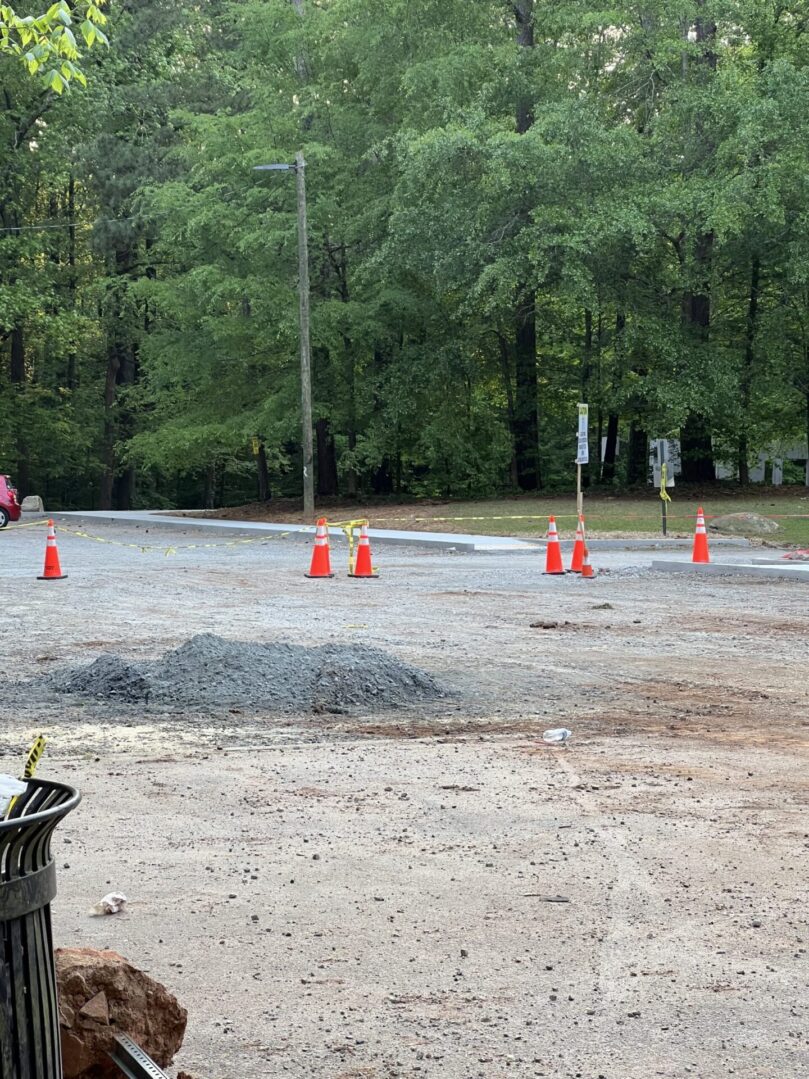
x: 47, y: 44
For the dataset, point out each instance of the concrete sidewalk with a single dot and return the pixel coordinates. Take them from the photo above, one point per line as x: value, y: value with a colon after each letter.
x: 469, y: 543
x: 435, y: 540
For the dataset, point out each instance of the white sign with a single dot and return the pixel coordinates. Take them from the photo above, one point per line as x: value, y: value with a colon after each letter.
x: 582, y: 446
x: 664, y: 451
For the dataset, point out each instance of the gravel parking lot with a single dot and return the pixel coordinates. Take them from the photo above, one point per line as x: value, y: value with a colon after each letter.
x: 431, y: 891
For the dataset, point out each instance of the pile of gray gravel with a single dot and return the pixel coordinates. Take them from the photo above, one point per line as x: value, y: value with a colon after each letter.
x: 210, y: 671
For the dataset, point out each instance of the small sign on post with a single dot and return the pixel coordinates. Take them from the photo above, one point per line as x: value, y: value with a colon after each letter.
x: 664, y: 454
x: 582, y: 454
x: 583, y: 446
x: 256, y: 444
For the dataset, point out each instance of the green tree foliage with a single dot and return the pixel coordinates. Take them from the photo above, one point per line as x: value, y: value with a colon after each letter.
x: 512, y: 206
x: 50, y: 39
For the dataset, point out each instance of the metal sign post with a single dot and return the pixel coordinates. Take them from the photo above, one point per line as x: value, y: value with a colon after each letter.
x: 582, y: 455
x: 661, y: 457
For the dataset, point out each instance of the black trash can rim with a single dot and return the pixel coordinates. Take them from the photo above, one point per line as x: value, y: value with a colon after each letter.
x: 60, y: 809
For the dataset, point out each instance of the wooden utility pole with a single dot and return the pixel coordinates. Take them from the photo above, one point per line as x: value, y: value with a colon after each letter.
x: 306, y: 361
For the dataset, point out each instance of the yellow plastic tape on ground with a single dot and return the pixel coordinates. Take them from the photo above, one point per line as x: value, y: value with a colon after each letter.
x: 172, y: 549
x: 25, y: 524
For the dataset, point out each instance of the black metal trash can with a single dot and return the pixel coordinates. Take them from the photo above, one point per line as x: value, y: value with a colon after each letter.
x: 29, y: 1014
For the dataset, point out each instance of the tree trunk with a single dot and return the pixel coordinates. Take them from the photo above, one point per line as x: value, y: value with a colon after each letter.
x: 71, y: 379
x: 696, y: 451
x: 381, y: 479
x: 611, y: 445
x: 505, y: 368
x: 116, y: 489
x: 526, y: 420
x: 637, y: 456
x: 22, y: 475
x: 524, y: 14
x: 108, y: 475
x: 17, y: 368
x: 746, y: 380
x: 526, y: 410
x: 586, y: 370
x: 209, y: 497
x: 610, y: 449
x: 351, y: 473
x: 599, y: 409
x: 264, y: 492
x: 695, y: 434
x: 326, y: 459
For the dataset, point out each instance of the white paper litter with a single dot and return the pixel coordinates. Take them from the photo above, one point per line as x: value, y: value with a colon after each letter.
x: 9, y: 788
x: 557, y: 735
x: 112, y: 903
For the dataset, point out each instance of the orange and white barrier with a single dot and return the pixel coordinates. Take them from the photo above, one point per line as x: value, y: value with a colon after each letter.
x: 700, y: 553
x: 53, y: 568
x: 321, y: 558
x: 553, y: 550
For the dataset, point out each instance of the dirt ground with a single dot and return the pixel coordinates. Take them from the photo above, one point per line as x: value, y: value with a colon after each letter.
x: 435, y: 893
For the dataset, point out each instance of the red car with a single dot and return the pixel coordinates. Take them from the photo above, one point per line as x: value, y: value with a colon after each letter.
x: 9, y: 504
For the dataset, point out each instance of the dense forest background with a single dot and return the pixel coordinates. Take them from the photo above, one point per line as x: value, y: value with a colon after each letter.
x: 513, y: 206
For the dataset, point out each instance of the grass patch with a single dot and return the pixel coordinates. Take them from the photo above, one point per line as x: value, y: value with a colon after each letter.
x: 631, y: 514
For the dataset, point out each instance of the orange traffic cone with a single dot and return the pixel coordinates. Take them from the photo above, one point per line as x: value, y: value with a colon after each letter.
x: 321, y: 561
x: 52, y: 570
x: 553, y: 552
x: 362, y: 563
x: 578, y: 548
x: 587, y: 570
x: 701, y: 553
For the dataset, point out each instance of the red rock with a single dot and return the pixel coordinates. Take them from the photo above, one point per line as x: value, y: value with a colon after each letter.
x: 101, y: 995
x: 97, y: 1008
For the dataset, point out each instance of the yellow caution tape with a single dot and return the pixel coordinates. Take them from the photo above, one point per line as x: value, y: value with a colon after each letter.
x: 348, y: 528
x: 26, y: 524
x: 663, y: 479
x: 34, y: 757
x: 173, y: 549
x: 31, y: 762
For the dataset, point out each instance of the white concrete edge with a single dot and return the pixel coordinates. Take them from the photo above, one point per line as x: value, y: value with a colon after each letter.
x: 466, y: 543
x: 735, y: 569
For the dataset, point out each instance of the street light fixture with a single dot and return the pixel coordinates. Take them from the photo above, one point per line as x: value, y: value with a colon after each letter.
x: 303, y: 300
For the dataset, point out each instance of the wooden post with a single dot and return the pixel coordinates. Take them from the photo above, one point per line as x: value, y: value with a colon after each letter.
x: 306, y: 366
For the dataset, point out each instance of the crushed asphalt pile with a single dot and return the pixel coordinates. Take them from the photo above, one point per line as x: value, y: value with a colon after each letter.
x: 210, y: 671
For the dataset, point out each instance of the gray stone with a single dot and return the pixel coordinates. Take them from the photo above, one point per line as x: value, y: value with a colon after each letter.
x: 32, y: 504
x: 744, y: 524
x: 209, y: 671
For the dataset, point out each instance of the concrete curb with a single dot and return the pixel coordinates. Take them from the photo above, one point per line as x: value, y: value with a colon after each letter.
x: 446, y: 541
x: 736, y: 569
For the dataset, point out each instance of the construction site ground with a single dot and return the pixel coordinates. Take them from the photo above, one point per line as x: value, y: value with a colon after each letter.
x: 434, y: 892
